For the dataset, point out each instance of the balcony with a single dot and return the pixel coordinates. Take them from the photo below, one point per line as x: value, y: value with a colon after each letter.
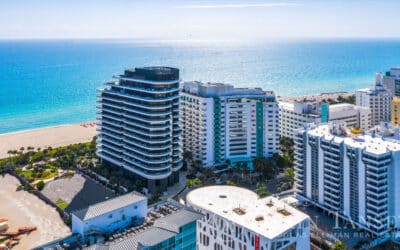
x: 117, y: 119
x: 135, y: 163
x: 103, y: 149
x: 148, y: 160
x: 145, y: 81
x: 141, y: 98
x: 146, y: 153
x: 147, y: 174
x: 103, y: 155
x: 115, y: 142
x: 104, y: 99
x: 110, y: 122
x: 108, y: 128
x: 158, y: 120
x: 148, y: 90
x: 110, y: 134
x: 148, y: 113
x: 146, y: 132
x: 146, y: 126
x: 146, y: 140
x: 148, y: 147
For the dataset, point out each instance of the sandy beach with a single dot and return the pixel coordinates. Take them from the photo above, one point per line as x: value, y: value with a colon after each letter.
x: 24, y: 209
x: 318, y: 97
x: 44, y: 137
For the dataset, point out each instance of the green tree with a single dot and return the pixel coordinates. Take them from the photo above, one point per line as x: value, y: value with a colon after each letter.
x: 286, y: 145
x: 40, y: 185
x: 197, y: 182
x: 339, y: 245
x: 289, y: 174
x: 262, y: 190
x: 267, y: 167
x: 189, y: 183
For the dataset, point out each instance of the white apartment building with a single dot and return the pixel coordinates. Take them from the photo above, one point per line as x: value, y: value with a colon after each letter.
x: 352, y: 115
x: 377, y: 99
x: 354, y: 176
x: 296, y: 115
x: 236, y: 218
x: 223, y: 123
x: 391, y: 81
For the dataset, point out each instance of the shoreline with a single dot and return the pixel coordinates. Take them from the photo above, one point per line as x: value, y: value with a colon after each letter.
x: 66, y: 134
x: 54, y: 136
x: 279, y: 98
x: 45, y: 127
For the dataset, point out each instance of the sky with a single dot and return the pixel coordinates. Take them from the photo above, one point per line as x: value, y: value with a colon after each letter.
x: 199, y: 20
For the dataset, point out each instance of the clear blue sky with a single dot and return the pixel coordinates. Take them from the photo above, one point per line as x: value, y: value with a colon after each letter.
x: 199, y: 20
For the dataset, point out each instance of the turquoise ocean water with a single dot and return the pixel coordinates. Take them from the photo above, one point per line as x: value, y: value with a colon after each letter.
x: 46, y: 83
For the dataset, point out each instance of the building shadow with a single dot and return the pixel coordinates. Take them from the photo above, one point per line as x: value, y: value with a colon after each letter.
x: 90, y: 194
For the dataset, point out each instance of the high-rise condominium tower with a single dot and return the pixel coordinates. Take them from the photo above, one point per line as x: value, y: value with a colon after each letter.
x: 377, y: 99
x: 139, y: 124
x: 223, y: 123
x: 351, y: 174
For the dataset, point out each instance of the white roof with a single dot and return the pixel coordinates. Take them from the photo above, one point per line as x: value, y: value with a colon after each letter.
x: 373, y: 145
x: 286, y: 105
x: 223, y: 200
x: 341, y: 107
x: 110, y: 205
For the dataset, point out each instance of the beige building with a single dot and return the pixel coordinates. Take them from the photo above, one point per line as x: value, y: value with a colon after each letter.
x: 395, y: 114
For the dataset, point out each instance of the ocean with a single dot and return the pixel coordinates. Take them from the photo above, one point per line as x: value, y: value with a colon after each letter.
x: 53, y: 82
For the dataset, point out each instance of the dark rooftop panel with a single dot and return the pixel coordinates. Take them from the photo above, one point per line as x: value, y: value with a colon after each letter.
x: 155, y: 73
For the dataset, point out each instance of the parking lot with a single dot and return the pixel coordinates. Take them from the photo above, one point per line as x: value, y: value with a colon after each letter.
x: 78, y: 192
x: 331, y: 228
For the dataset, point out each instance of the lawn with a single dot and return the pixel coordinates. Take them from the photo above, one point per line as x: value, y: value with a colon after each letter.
x: 33, y: 175
x: 61, y: 203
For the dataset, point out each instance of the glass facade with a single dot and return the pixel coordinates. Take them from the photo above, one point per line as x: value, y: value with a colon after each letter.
x: 184, y: 240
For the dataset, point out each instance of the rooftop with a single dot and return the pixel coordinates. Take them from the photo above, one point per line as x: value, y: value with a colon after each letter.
x: 156, y: 73
x: 268, y: 216
x: 109, y: 205
x: 209, y: 89
x: 373, y: 144
x: 161, y: 224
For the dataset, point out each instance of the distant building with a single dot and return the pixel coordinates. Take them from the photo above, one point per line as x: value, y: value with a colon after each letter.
x: 391, y: 81
x: 139, y: 124
x: 300, y: 113
x: 174, y: 231
x: 223, y: 123
x: 350, y: 174
x: 377, y: 99
x: 236, y: 218
x: 395, y: 114
x: 110, y: 215
x: 296, y: 115
x: 352, y: 115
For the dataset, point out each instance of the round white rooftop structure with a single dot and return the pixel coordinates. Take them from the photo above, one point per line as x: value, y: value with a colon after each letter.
x: 267, y: 216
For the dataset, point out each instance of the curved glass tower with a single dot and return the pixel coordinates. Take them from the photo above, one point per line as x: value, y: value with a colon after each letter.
x: 139, y: 124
